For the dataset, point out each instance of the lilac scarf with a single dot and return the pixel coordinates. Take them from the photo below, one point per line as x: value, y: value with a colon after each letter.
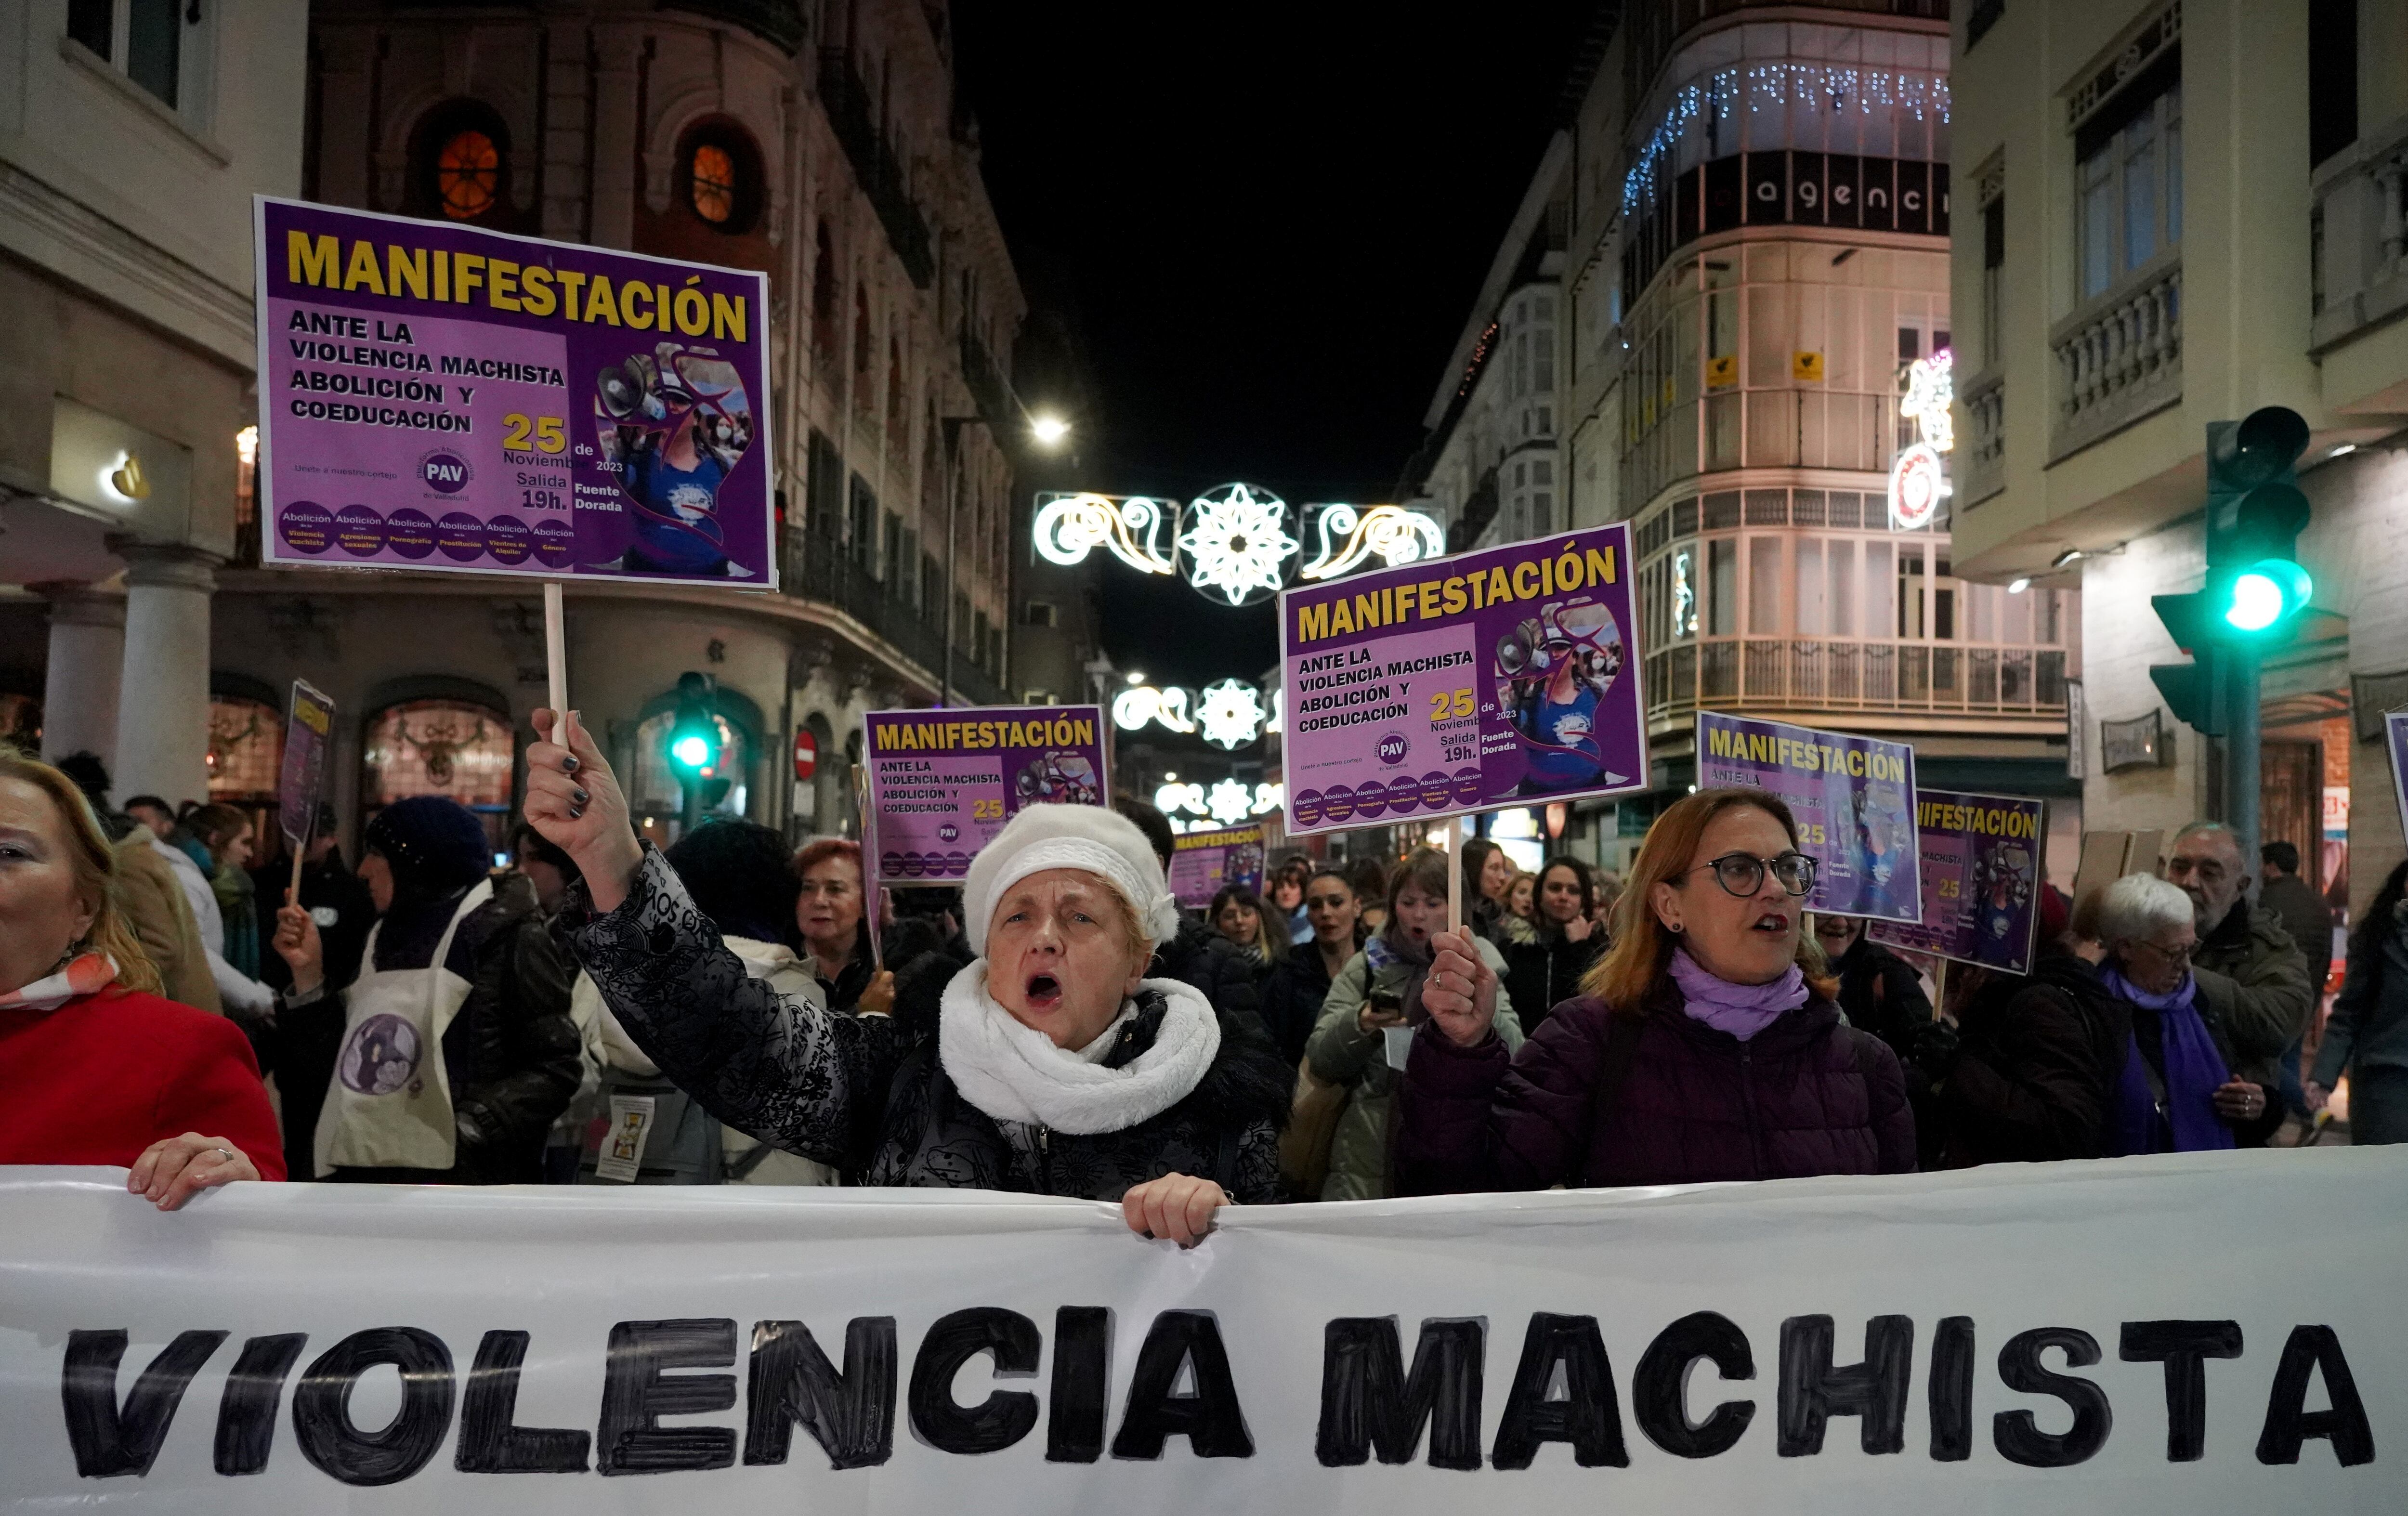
x: 2187, y: 1122
x: 1740, y: 1010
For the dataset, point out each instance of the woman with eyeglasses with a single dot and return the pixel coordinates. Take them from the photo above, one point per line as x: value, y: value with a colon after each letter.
x: 831, y: 913
x: 1698, y: 1052
x: 2175, y: 1091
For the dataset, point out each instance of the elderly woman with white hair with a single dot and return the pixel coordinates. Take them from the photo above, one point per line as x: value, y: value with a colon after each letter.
x: 2175, y: 1092
x: 1053, y: 1066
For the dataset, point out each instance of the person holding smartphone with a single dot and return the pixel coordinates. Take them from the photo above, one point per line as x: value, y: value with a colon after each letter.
x: 1379, y: 993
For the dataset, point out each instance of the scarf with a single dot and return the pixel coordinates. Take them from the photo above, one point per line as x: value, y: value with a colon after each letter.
x: 85, y: 974
x: 2186, y: 1121
x: 1398, y: 956
x: 1740, y: 1010
x: 1014, y: 1072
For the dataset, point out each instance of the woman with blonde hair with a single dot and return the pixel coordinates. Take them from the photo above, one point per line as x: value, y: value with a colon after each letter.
x: 1698, y: 1051
x: 94, y: 1067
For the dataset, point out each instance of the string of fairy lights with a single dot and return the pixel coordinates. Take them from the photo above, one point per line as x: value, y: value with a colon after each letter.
x: 1758, y: 87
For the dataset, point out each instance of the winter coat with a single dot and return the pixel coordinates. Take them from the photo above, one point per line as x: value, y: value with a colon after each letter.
x: 2253, y: 986
x: 511, y: 1052
x: 1202, y: 957
x: 2307, y: 920
x: 1806, y: 1096
x: 2369, y: 1026
x: 2035, y: 1068
x: 1341, y: 1052
x: 1293, y: 997
x: 869, y: 1094
x: 1544, y: 973
x: 153, y: 901
x: 1880, y: 994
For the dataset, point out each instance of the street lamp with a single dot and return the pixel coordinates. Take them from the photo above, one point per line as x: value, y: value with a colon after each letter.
x: 1049, y: 431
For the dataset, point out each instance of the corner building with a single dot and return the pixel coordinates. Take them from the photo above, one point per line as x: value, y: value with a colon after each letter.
x: 2189, y: 210
x: 822, y: 145
x: 1757, y: 283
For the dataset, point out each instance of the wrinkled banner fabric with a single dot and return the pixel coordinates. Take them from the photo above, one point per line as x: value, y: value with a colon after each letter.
x: 2214, y: 1332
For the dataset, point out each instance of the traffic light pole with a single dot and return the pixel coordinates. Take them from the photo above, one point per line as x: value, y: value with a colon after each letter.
x: 2240, y: 757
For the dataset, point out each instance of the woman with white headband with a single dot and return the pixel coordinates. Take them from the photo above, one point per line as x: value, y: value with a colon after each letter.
x: 1054, y: 1065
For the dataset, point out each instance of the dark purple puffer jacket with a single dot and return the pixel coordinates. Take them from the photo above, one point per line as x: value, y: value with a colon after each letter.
x: 1806, y: 1096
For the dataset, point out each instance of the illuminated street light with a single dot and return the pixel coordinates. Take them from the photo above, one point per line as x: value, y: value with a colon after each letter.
x: 1049, y: 431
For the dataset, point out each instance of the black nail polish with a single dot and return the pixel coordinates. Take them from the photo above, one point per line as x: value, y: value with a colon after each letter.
x: 569, y: 764
x: 576, y: 813
x: 582, y: 796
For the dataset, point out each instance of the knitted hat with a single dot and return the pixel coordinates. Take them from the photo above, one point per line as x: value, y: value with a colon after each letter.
x: 1070, y: 836
x: 434, y: 844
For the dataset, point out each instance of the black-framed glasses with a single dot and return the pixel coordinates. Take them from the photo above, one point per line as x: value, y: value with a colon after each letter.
x: 1742, y: 873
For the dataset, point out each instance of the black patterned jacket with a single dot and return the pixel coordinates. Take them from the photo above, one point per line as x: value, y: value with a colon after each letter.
x: 870, y: 1095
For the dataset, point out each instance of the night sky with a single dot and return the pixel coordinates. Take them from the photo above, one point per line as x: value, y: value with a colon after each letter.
x: 1267, y: 231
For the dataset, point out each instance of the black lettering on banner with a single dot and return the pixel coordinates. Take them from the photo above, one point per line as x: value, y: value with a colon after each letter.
x: 247, y: 1410
x: 109, y: 1438
x: 1002, y: 1418
x: 1083, y: 1360
x: 1590, y: 1417
x: 1369, y: 1403
x: 322, y: 1415
x: 1726, y: 191
x: 2289, y: 1422
x: 1812, y: 1391
x: 850, y: 1415
x: 490, y: 1441
x: 1952, y: 1389
x: 1211, y: 1420
x: 2017, y: 1433
x: 2184, y: 1347
x: 636, y: 1395
x: 1660, y: 1390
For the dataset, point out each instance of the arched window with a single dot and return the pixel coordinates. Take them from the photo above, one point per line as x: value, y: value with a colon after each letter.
x: 719, y: 174
x: 461, y: 162
x: 246, y: 748
x: 440, y: 747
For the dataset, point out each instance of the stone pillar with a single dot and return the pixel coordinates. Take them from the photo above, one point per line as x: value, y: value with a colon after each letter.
x: 80, y: 687
x: 163, y: 711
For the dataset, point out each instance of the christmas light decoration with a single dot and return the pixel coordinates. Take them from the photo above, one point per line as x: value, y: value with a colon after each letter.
x: 1758, y: 86
x: 1068, y: 526
x: 1398, y: 536
x: 1133, y: 707
x: 1235, y: 541
x: 1918, y: 482
x: 1230, y: 802
x: 1231, y: 713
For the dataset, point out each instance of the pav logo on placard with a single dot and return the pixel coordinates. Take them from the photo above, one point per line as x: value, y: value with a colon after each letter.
x: 1393, y: 748
x: 445, y: 473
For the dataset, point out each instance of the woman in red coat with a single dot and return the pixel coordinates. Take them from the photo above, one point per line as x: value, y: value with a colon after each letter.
x: 1698, y: 1053
x: 94, y: 1067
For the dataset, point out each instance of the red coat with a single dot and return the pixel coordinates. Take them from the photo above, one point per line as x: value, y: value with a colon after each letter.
x: 1806, y: 1096
x: 105, y: 1076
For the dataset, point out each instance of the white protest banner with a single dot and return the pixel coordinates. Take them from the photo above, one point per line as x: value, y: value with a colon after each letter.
x: 2209, y: 1332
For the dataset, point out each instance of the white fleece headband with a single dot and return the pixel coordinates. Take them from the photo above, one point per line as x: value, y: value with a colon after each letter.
x: 1090, y: 841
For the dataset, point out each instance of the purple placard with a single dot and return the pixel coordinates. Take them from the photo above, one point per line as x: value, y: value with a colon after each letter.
x: 2395, y: 742
x: 1852, y: 798
x: 435, y: 396
x: 1202, y: 862
x: 1981, y: 858
x: 302, y: 780
x: 943, y: 782
x: 1496, y: 677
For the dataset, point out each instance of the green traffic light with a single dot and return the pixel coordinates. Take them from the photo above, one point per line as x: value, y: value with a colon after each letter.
x: 2266, y: 594
x: 692, y: 751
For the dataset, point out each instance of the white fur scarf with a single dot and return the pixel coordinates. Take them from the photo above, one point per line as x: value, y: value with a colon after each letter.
x: 1015, y: 1073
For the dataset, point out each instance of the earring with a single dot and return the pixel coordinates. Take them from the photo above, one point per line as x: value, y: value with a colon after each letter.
x: 1673, y: 927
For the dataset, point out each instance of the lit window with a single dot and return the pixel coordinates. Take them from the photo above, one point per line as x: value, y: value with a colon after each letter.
x: 468, y: 174
x: 715, y: 184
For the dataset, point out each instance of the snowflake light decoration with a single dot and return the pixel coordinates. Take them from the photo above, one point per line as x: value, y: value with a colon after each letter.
x: 1231, y: 802
x: 1230, y: 713
x: 1235, y: 542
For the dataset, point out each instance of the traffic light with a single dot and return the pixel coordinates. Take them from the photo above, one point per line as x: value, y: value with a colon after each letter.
x: 2256, y: 589
x: 694, y: 738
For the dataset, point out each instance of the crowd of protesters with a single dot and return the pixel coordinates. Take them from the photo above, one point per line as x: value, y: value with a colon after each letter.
x: 731, y: 1010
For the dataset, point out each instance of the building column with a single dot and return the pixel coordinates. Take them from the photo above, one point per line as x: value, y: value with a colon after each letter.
x: 163, y: 711
x: 80, y: 686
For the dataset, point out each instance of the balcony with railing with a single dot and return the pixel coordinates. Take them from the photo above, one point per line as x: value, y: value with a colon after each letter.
x: 846, y: 99
x: 2359, y: 232
x: 1981, y: 462
x: 1843, y: 674
x: 815, y: 565
x: 2118, y: 357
